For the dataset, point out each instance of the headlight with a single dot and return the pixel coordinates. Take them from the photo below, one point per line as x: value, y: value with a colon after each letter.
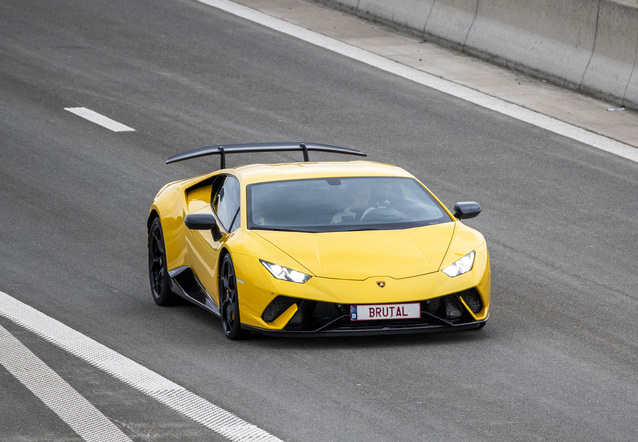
x: 284, y: 273
x: 461, y: 266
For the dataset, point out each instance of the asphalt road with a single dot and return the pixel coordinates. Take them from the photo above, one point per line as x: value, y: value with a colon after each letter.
x: 557, y: 361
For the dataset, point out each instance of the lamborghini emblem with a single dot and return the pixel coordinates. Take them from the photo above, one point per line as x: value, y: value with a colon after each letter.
x: 381, y: 284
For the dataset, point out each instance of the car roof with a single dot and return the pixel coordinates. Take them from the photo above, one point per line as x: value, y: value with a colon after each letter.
x: 256, y: 173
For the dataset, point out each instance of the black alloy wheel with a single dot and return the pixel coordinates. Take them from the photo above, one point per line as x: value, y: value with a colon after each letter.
x: 228, y: 300
x: 157, y: 271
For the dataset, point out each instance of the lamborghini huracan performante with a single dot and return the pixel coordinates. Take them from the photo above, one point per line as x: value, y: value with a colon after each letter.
x: 316, y: 248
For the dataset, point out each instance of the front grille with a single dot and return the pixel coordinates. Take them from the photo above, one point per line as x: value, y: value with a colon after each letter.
x: 310, y: 315
x: 324, y: 316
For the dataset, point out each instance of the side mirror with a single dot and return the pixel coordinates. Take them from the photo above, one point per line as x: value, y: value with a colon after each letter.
x: 200, y: 221
x: 466, y: 209
x: 203, y: 221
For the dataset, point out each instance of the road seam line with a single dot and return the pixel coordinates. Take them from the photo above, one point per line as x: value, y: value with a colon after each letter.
x: 75, y: 410
x: 131, y: 373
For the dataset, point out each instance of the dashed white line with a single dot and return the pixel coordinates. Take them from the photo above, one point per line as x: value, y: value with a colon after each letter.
x: 131, y: 373
x: 56, y: 393
x: 100, y: 119
x: 456, y: 90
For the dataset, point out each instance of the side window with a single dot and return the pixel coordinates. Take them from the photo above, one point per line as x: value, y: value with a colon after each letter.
x: 226, y: 202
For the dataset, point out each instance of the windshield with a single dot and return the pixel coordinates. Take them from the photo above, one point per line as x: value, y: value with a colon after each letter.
x: 342, y: 204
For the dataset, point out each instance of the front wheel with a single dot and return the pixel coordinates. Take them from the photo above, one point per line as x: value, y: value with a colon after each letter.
x: 157, y: 271
x: 229, y: 301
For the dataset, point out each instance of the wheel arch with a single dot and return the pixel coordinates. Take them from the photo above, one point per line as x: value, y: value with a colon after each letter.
x: 151, y: 217
x: 222, y: 254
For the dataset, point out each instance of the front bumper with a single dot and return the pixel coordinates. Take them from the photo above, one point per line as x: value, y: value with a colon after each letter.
x: 311, y: 318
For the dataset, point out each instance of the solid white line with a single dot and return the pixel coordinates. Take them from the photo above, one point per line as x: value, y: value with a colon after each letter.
x: 100, y: 119
x: 456, y: 90
x: 55, y: 392
x: 132, y: 373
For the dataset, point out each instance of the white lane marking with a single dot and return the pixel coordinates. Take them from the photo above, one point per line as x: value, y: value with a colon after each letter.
x: 456, y: 90
x: 100, y: 119
x: 131, y: 373
x: 55, y: 392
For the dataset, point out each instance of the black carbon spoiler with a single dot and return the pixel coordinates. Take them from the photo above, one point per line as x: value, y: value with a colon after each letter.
x: 222, y: 150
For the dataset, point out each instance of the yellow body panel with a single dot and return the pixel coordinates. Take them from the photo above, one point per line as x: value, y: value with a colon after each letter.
x: 359, y: 255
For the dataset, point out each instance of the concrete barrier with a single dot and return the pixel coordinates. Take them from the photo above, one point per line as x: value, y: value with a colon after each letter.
x: 546, y: 37
x: 411, y: 14
x: 451, y: 21
x: 587, y: 45
x: 612, y: 68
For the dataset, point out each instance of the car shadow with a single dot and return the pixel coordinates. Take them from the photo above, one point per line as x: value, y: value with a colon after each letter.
x: 377, y: 341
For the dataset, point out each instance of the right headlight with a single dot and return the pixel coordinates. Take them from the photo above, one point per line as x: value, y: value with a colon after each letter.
x: 461, y: 266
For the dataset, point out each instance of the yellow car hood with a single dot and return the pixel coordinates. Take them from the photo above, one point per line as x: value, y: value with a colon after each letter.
x: 364, y: 254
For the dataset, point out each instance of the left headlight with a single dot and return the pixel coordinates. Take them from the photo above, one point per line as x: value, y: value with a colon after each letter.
x: 461, y: 266
x: 284, y: 273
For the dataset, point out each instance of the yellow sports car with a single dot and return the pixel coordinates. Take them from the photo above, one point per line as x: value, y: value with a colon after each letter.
x: 316, y: 248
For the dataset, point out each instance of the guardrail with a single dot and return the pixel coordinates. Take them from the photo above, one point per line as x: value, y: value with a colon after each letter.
x: 587, y: 45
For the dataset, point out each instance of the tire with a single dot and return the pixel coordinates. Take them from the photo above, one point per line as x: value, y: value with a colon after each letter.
x: 157, y: 271
x: 229, y: 300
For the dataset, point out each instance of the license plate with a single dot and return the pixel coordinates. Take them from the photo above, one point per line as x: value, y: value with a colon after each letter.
x: 385, y: 311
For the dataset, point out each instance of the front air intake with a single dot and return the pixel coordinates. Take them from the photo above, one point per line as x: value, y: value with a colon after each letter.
x: 472, y: 299
x: 277, y: 307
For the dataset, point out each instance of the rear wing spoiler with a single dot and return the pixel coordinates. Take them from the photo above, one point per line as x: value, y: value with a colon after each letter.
x: 222, y: 150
